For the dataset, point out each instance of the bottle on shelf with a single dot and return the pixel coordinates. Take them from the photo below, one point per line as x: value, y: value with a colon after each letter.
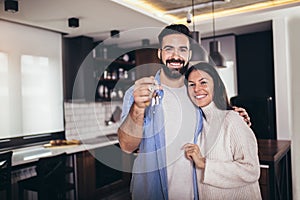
x: 101, y: 91
x: 114, y: 75
x: 105, y: 53
x: 105, y: 74
x: 120, y: 94
x: 121, y: 73
x: 125, y: 74
x: 113, y: 94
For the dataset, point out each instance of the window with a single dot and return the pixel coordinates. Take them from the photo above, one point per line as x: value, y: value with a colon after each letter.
x: 4, y: 96
x: 31, y: 87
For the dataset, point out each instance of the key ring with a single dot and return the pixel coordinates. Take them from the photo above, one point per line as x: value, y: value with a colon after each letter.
x: 151, y: 88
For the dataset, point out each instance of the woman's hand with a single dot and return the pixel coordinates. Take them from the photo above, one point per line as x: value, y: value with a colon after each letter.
x: 193, y: 153
x: 243, y: 113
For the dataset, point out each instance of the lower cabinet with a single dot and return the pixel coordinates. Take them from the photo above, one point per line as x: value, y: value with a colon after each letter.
x: 264, y: 182
x: 275, y: 180
x: 102, y: 172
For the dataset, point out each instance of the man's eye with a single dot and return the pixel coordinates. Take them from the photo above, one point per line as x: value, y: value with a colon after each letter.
x: 168, y: 49
x: 183, y: 50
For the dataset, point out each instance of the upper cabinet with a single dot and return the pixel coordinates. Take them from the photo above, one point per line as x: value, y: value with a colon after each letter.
x: 75, y: 50
x: 114, y: 72
x: 147, y: 62
x: 116, y: 69
x: 103, y: 73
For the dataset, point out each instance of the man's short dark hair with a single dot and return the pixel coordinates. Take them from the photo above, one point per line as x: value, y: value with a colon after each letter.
x: 174, y: 29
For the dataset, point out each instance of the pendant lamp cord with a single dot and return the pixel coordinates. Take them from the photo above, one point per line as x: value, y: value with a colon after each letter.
x: 213, y: 15
x: 193, y: 11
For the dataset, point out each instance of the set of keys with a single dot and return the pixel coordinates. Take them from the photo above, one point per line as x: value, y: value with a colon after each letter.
x: 156, y: 98
x: 156, y: 94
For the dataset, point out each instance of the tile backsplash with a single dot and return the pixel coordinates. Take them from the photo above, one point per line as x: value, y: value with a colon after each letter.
x: 87, y: 120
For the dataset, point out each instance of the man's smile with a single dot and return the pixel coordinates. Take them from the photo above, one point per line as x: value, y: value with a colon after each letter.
x: 175, y: 63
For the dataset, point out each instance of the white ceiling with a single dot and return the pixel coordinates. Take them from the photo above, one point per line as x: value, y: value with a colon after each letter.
x: 97, y: 18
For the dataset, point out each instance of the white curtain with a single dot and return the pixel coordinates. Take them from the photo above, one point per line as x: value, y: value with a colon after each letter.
x: 31, y: 87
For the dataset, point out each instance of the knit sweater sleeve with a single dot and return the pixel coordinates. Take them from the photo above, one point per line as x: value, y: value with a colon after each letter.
x: 243, y: 166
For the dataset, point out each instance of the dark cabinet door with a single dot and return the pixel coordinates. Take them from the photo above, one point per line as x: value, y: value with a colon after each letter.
x: 262, y: 114
x: 147, y: 62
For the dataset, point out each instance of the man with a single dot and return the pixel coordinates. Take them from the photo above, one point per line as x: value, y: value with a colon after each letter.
x: 160, y: 130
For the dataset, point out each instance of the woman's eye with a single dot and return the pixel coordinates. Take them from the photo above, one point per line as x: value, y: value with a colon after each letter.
x: 203, y: 82
x: 191, y: 84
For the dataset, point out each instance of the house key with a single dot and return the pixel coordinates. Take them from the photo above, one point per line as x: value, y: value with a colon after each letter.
x: 156, y: 94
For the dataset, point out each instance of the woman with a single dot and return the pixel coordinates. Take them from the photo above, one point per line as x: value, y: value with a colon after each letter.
x: 226, y: 154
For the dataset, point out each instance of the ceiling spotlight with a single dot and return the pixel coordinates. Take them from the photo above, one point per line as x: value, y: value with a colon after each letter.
x: 73, y: 22
x: 11, y: 6
x: 115, y: 33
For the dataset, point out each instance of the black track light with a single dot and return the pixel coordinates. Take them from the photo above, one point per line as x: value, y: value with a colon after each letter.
x: 115, y: 33
x: 73, y: 22
x: 11, y: 6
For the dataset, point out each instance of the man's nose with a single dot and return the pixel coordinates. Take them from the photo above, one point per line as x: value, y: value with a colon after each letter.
x: 176, y: 53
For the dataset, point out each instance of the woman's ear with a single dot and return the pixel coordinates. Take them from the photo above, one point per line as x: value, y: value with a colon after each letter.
x: 159, y: 53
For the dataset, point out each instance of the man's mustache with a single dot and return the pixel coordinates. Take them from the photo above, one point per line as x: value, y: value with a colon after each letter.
x: 173, y: 60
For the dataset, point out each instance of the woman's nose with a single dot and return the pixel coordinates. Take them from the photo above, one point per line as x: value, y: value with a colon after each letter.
x: 197, y: 87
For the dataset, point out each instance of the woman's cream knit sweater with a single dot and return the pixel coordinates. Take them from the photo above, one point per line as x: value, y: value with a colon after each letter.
x: 232, y: 166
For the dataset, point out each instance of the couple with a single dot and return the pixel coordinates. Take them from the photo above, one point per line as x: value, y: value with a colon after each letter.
x: 186, y: 152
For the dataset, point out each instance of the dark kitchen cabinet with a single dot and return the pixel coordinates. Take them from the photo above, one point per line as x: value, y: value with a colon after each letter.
x: 262, y: 114
x: 113, y: 76
x: 96, y: 178
x: 147, y: 62
x: 93, y: 72
x: 256, y: 82
x: 275, y: 179
x: 75, y: 50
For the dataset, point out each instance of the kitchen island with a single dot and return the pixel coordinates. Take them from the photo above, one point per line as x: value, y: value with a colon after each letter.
x: 95, y: 175
x: 101, y: 168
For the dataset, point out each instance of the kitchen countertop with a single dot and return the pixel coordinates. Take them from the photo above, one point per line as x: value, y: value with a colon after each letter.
x: 33, y: 153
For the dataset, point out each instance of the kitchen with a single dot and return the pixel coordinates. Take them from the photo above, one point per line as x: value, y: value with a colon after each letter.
x: 285, y: 59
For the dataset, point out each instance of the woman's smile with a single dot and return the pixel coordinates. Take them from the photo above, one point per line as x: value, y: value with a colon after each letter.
x: 200, y: 88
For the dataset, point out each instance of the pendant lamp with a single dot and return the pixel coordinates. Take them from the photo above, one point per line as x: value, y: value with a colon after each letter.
x: 198, y: 52
x: 215, y: 46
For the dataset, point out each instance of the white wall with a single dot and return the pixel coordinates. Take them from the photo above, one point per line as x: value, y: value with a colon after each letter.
x: 282, y: 80
x: 294, y: 46
x: 286, y: 31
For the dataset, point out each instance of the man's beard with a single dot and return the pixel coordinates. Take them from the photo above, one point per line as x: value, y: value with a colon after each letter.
x: 174, y: 73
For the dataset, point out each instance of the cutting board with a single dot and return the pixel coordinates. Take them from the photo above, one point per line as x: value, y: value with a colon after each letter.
x: 66, y: 143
